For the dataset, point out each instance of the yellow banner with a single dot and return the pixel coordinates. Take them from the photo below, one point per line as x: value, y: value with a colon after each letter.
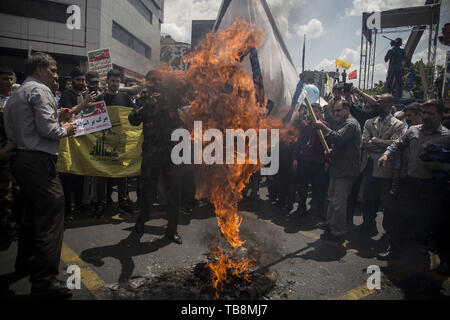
x: 112, y: 153
x: 342, y: 64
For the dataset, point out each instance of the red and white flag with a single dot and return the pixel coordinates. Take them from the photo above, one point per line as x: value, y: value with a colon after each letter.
x: 353, y: 75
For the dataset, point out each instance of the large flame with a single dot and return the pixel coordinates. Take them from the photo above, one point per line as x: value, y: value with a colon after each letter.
x: 225, y: 98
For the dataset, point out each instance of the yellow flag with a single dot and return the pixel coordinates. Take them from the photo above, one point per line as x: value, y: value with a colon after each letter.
x: 342, y: 64
x: 112, y: 153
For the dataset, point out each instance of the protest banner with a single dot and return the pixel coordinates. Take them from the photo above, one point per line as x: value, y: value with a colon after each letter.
x: 112, y: 153
x: 92, y: 119
x: 100, y: 62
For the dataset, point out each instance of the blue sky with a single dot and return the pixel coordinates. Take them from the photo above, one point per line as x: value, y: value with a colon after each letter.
x: 332, y: 28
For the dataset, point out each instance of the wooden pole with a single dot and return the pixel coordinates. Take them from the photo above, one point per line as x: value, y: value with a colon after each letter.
x: 319, y: 132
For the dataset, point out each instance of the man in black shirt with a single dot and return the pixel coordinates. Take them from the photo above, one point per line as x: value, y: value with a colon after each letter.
x: 114, y: 97
x: 396, y: 58
x: 73, y: 100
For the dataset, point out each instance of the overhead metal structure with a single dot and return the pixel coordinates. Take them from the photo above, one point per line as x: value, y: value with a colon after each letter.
x: 415, y: 20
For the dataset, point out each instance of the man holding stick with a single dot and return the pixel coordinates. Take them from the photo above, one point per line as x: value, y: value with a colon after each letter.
x: 345, y: 164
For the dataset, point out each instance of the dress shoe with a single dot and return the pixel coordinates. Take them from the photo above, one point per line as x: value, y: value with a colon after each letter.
x: 57, y: 290
x: 369, y: 228
x: 126, y: 209
x: 174, y: 238
x: 333, y: 236
x: 390, y: 254
x: 323, y: 225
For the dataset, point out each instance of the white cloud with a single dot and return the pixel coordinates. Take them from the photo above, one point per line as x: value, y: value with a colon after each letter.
x: 347, y: 54
x: 360, y: 6
x: 380, y: 73
x: 326, y: 65
x: 180, y: 13
x: 281, y: 10
x: 313, y: 29
x: 440, y: 56
x: 178, y: 16
x: 351, y: 56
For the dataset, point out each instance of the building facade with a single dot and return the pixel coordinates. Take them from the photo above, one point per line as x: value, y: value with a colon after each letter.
x: 130, y: 28
x: 172, y: 52
x: 199, y: 30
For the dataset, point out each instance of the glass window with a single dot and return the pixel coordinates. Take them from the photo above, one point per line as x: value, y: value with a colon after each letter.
x: 36, y: 9
x: 130, y: 41
x: 142, y: 8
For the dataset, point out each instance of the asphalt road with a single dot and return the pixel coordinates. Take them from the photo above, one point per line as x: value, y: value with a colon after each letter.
x: 113, y: 258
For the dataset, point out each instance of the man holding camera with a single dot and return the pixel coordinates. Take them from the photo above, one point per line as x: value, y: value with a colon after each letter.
x: 159, y: 114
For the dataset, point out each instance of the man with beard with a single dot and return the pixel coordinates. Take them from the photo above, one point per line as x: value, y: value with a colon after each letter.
x: 73, y: 100
x: 422, y: 194
x: 159, y: 115
x: 378, y: 134
x: 114, y: 97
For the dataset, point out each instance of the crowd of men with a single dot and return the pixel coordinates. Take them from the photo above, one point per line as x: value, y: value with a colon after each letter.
x: 395, y: 161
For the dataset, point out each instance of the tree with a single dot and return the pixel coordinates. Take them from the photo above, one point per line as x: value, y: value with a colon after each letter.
x: 417, y: 87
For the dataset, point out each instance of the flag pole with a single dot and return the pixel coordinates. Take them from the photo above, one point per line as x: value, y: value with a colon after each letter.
x: 319, y: 132
x: 304, y: 53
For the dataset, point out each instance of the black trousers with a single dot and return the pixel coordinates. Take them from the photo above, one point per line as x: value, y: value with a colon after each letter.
x: 376, y: 194
x: 394, y: 83
x: 42, y: 226
x: 419, y: 206
x: 172, y: 180
x: 314, y: 173
x: 72, y: 183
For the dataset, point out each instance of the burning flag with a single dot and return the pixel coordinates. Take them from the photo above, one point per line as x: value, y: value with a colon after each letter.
x: 226, y: 74
x: 226, y: 97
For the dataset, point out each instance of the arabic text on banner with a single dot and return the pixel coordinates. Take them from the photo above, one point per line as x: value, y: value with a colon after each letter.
x: 112, y: 153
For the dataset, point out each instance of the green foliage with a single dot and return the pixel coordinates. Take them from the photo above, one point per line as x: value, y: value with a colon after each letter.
x: 377, y: 89
x: 417, y: 88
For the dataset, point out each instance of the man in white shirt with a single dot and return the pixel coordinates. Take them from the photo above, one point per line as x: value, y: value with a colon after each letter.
x: 32, y: 125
